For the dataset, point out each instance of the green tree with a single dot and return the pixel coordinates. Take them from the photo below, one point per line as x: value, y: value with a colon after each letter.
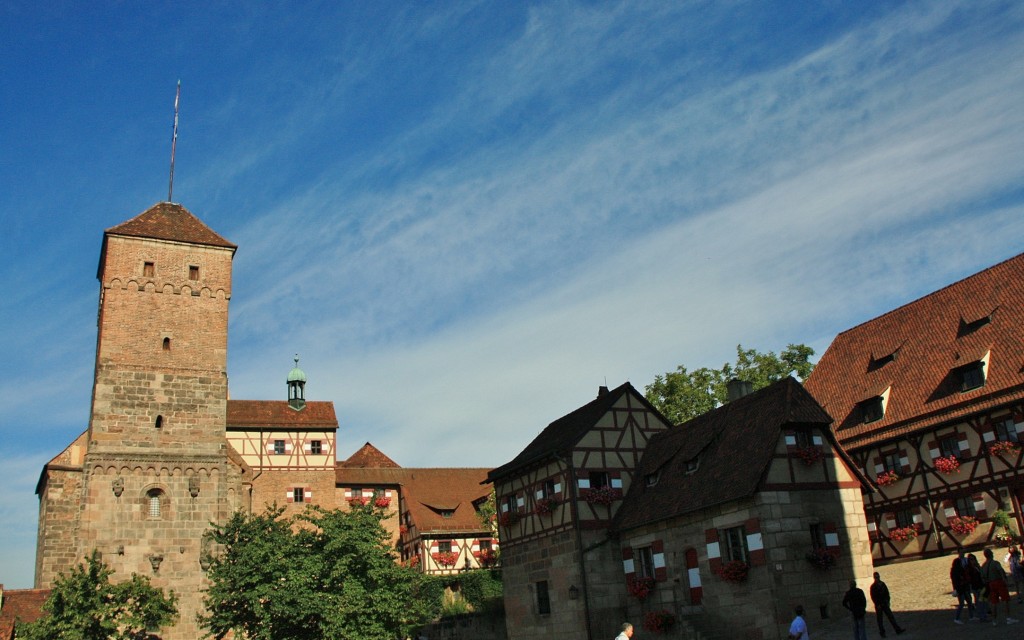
x: 322, y: 574
x: 681, y: 395
x: 84, y: 605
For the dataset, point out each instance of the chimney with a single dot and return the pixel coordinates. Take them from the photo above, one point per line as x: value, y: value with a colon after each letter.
x: 738, y: 388
x: 602, y: 391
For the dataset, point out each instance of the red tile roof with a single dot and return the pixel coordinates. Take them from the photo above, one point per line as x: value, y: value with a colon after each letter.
x: 430, y: 492
x: 20, y: 605
x: 368, y: 456
x: 277, y: 414
x: 928, y: 338
x: 733, y: 446
x: 170, y: 221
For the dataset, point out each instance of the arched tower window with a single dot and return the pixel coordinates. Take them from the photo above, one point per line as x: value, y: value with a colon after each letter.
x: 154, y: 498
x: 167, y: 344
x: 159, y: 424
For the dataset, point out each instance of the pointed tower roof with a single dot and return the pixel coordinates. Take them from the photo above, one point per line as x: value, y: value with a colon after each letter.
x: 369, y: 456
x: 170, y: 221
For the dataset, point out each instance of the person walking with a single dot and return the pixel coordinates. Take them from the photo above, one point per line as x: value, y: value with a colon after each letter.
x: 798, y: 628
x: 1015, y: 572
x: 995, y: 584
x: 626, y: 633
x: 881, y: 598
x: 857, y: 604
x: 960, y: 576
x: 977, y: 586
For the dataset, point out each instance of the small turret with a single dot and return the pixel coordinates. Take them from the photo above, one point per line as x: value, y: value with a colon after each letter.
x: 297, y: 387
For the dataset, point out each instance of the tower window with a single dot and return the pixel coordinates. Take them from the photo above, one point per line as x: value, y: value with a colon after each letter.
x: 153, y: 497
x: 148, y: 269
x: 167, y: 344
x: 193, y: 272
x: 543, y: 599
x: 159, y: 422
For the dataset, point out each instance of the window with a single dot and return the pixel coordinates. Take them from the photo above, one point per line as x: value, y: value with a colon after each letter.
x: 543, y: 600
x: 278, y: 447
x: 1005, y: 431
x: 965, y: 506
x: 817, y: 537
x: 153, y: 497
x: 651, y: 479
x: 485, y: 545
x: 692, y: 466
x: 950, y: 446
x: 905, y: 518
x: 872, y: 409
x: 315, y: 447
x: 193, y: 272
x: 891, y: 461
x: 444, y: 546
x: 734, y: 544
x: 803, y: 439
x: 298, y: 494
x: 643, y: 559
x: 972, y: 376
x: 547, y: 489
x: 508, y: 504
x: 167, y: 344
x: 159, y: 422
x: 148, y: 269
x: 447, y: 513
x: 599, y: 479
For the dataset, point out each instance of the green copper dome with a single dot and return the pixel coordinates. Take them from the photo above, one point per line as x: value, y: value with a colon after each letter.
x: 296, y: 374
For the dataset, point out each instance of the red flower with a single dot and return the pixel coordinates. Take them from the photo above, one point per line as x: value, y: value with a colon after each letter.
x: 358, y: 502
x: 382, y: 502
x: 602, y: 495
x: 659, y: 621
x: 887, y: 478
x: 640, y: 588
x: 545, y: 506
x: 446, y: 559
x: 508, y: 518
x: 1003, y: 447
x: 903, y: 534
x: 947, y: 465
x: 734, y: 571
x: 963, y: 525
x: 810, y: 455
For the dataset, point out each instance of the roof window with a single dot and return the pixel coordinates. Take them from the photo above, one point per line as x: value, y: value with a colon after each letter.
x: 973, y: 374
x: 967, y: 328
x: 873, y: 409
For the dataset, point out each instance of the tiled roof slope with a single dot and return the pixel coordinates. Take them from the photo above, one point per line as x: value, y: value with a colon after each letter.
x: 368, y: 456
x: 170, y: 221
x: 562, y: 434
x: 20, y: 605
x: 733, y: 445
x: 430, y: 491
x: 930, y: 337
x: 277, y: 413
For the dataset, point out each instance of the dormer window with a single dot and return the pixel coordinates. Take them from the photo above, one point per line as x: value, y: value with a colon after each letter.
x: 969, y: 327
x: 871, y: 409
x: 972, y: 376
x: 692, y: 466
x: 651, y: 479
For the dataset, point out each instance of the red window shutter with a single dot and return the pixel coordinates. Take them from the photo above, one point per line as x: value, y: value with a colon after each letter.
x: 979, y: 506
x: 714, y: 551
x: 693, y: 577
x: 906, y: 467
x: 660, y: 572
x: 752, y: 527
x: 831, y: 536
x: 628, y: 567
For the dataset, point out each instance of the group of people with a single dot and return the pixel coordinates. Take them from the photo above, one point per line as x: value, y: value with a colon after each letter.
x: 979, y: 586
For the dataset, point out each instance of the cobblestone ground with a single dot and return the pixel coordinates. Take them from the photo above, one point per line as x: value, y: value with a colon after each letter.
x: 923, y: 604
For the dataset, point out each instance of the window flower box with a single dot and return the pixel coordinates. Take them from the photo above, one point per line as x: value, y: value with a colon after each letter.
x: 487, y: 557
x: 508, y: 518
x: 947, y: 464
x: 823, y: 558
x: 545, y: 506
x: 602, y: 495
x: 659, y: 621
x: 382, y: 502
x: 358, y: 502
x: 810, y: 455
x: 640, y: 588
x: 734, y: 571
x: 446, y: 559
x: 903, y: 534
x: 887, y: 478
x: 963, y: 525
x: 1004, y: 447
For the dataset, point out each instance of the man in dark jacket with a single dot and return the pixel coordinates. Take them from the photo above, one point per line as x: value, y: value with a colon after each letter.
x: 960, y: 576
x: 880, y: 596
x: 855, y: 601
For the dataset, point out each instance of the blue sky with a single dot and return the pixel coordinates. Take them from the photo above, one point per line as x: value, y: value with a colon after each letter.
x: 466, y: 216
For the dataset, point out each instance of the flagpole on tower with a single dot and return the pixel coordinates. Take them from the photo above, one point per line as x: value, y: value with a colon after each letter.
x: 174, y: 143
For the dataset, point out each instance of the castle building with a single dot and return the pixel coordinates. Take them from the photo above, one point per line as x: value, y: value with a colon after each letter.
x: 166, y: 452
x: 929, y: 402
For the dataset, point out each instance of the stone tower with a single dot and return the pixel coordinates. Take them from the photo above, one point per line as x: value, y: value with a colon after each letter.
x: 155, y: 467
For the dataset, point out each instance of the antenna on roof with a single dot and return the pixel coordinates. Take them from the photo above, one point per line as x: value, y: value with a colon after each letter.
x: 174, y: 143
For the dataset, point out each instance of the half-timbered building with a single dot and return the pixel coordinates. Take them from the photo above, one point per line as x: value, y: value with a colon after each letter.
x: 929, y: 402
x: 555, y: 502
x: 738, y: 515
